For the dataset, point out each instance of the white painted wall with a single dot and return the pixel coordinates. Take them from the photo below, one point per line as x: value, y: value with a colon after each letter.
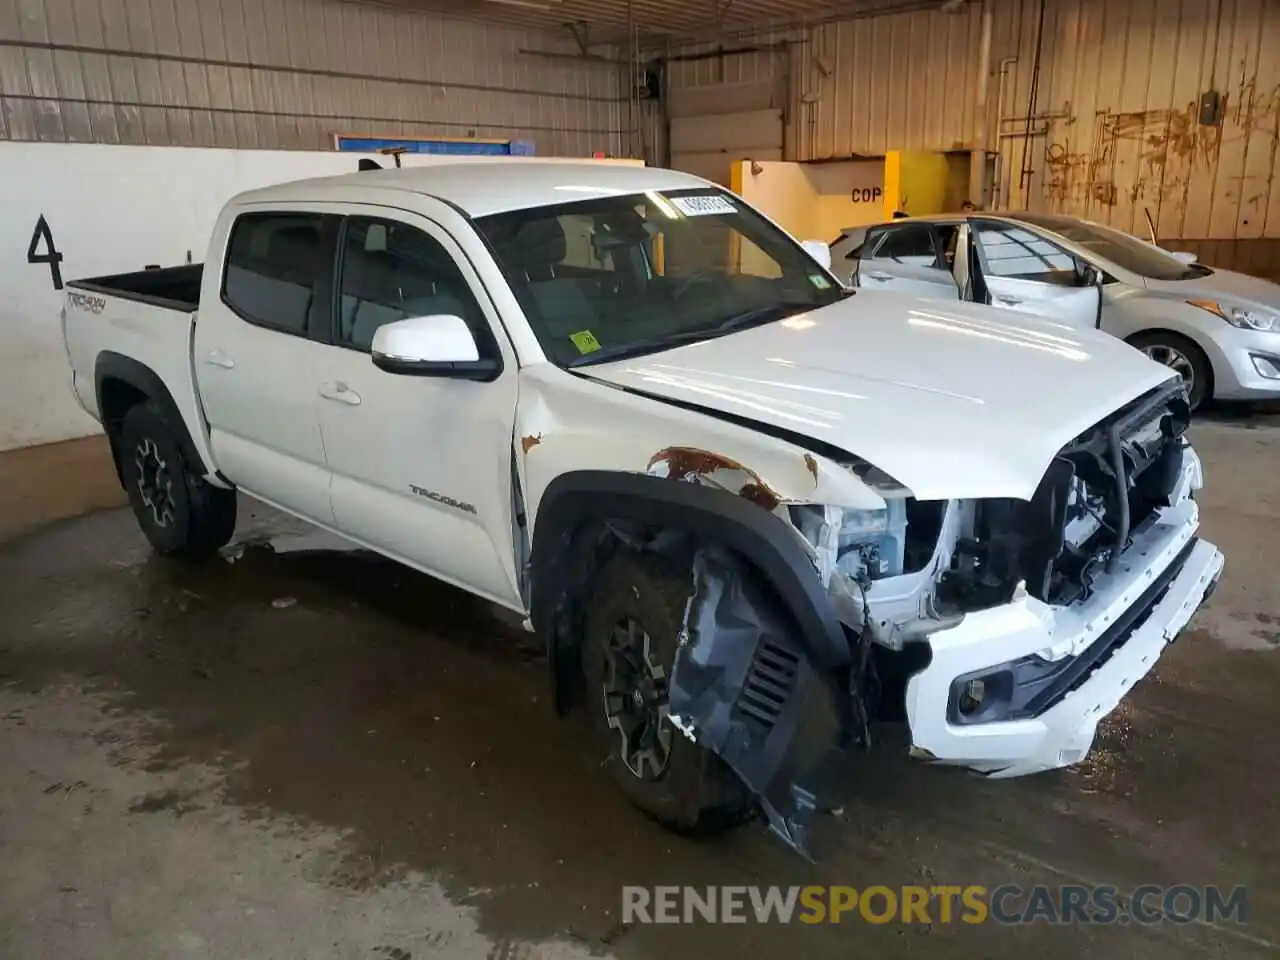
x: 112, y: 209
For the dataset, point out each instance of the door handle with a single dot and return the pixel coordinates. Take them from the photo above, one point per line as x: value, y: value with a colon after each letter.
x: 341, y: 393
x: 1011, y: 301
x: 880, y: 275
x: 216, y: 358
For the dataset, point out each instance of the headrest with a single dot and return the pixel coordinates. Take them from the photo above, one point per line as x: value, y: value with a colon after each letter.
x: 535, y: 243
x: 294, y: 243
x: 375, y: 238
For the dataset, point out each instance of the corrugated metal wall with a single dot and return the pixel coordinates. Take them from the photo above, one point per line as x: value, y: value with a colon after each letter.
x: 1114, y: 127
x: 1117, y: 130
x: 286, y: 74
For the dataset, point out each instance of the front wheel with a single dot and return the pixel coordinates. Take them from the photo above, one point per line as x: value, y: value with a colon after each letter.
x: 628, y: 652
x: 181, y: 513
x: 1183, y: 356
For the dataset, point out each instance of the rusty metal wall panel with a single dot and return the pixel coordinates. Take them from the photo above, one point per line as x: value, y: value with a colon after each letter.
x: 1115, y: 131
x: 288, y: 74
x: 1112, y: 131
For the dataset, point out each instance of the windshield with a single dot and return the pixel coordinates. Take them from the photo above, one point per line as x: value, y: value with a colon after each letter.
x: 1125, y: 251
x: 611, y: 277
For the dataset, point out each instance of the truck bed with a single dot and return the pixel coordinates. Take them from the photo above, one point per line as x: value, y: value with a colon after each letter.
x: 136, y: 325
x: 173, y: 288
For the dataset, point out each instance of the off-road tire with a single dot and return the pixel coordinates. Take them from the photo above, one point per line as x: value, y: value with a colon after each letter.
x: 196, y: 518
x: 698, y: 792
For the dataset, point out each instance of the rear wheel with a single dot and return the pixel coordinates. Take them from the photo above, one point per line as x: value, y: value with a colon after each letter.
x: 628, y: 652
x: 181, y: 514
x: 1182, y: 355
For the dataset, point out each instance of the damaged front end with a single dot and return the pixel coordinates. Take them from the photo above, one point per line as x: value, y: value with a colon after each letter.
x: 1011, y: 626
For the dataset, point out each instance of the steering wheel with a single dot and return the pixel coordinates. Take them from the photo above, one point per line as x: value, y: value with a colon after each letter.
x: 695, y: 278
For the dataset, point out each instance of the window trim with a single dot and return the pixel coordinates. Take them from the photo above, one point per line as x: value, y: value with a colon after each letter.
x: 486, y: 342
x: 321, y: 291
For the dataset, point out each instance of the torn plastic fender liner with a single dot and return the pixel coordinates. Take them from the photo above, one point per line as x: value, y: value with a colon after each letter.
x: 743, y: 686
x: 712, y: 515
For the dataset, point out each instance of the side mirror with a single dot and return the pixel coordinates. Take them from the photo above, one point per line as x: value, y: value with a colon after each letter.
x: 435, y: 346
x: 819, y: 251
x: 1183, y: 257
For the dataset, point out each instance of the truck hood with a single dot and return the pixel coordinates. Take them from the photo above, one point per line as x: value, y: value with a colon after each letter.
x: 952, y: 400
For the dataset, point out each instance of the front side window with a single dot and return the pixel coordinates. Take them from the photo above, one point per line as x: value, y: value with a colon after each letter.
x: 391, y: 271
x: 1010, y: 251
x: 609, y: 277
x: 276, y: 263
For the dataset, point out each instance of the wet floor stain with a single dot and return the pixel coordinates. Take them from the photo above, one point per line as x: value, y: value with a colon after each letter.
x: 413, y: 718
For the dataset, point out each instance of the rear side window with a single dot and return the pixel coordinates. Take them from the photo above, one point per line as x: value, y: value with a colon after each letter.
x: 276, y: 264
x: 913, y: 245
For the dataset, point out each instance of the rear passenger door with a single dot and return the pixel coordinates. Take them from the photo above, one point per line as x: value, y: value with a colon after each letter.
x: 421, y: 465
x: 906, y: 258
x: 255, y: 365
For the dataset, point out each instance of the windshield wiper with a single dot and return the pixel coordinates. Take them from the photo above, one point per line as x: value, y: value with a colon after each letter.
x: 638, y: 348
x: 761, y: 316
x: 741, y: 321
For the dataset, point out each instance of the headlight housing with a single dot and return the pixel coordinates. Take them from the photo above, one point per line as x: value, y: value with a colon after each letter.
x: 1240, y: 317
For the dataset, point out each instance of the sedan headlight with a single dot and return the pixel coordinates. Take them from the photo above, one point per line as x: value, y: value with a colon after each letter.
x: 1239, y: 317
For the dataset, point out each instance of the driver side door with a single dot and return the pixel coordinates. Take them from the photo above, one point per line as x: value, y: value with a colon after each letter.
x: 421, y: 464
x: 1029, y: 273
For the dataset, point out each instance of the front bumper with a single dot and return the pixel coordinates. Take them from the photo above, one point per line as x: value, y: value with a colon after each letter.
x: 1240, y: 359
x: 1099, y: 650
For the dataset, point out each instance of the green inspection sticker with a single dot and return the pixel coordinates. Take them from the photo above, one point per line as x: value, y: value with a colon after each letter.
x: 585, y: 341
x: 819, y: 281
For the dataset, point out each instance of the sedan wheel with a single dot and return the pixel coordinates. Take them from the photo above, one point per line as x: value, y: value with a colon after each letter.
x: 1174, y: 358
x: 1182, y: 356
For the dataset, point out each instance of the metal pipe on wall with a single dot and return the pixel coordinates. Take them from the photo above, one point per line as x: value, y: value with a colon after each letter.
x: 981, y: 133
x: 1000, y: 188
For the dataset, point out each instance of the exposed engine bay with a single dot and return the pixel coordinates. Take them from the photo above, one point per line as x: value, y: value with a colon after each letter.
x: 918, y: 566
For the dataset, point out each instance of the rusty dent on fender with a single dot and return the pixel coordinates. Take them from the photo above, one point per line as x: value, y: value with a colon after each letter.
x: 531, y: 441
x: 691, y: 465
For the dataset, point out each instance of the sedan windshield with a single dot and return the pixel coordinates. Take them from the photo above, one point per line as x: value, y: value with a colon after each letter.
x: 1125, y: 251
x: 619, y: 276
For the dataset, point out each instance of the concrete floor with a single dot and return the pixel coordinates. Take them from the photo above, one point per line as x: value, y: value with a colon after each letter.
x: 299, y: 752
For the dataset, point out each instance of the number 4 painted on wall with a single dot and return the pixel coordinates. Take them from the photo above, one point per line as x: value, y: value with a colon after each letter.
x: 51, y: 256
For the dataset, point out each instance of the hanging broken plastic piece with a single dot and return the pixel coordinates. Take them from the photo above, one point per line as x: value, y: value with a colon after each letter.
x: 743, y: 687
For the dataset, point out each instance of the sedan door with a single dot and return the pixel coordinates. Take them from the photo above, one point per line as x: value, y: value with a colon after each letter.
x: 1027, y: 272
x: 908, y: 258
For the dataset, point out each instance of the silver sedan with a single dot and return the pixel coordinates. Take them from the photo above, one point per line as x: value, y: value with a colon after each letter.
x: 1219, y: 329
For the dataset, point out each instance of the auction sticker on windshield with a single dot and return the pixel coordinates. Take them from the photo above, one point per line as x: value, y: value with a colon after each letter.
x: 585, y: 341
x: 702, y: 206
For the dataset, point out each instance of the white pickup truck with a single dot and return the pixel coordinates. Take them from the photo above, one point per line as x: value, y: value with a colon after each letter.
x: 748, y: 510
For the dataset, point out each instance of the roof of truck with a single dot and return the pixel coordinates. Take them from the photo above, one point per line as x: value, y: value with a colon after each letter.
x: 485, y: 186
